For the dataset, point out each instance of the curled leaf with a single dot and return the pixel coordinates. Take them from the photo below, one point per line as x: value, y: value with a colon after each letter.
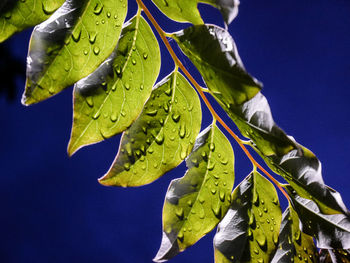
x: 249, y: 231
x: 195, y: 203
x: 70, y: 45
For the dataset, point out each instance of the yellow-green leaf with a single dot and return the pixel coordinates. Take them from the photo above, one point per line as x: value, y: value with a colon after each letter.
x: 109, y: 100
x: 294, y: 245
x: 195, y: 203
x: 71, y: 44
x: 249, y: 231
x: 17, y: 15
x: 161, y: 138
x: 213, y: 51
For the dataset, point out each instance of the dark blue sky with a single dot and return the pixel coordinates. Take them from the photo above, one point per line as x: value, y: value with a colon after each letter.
x: 54, y: 210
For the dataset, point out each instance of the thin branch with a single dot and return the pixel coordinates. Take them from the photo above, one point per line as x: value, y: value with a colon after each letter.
x: 177, y: 61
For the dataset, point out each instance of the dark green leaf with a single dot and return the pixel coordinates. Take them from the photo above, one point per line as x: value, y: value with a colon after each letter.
x: 109, y: 100
x: 330, y: 230
x: 334, y: 256
x: 213, y: 51
x: 71, y: 44
x: 161, y: 138
x: 294, y: 245
x: 249, y: 231
x: 17, y: 15
x: 195, y: 203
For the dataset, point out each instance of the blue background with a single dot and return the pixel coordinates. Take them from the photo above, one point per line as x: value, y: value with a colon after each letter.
x: 54, y: 210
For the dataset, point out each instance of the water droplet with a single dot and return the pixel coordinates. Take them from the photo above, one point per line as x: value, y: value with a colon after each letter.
x: 255, y: 199
x: 150, y: 150
x: 182, y: 131
x: 96, y: 50
x: 251, y: 219
x: 96, y: 115
x: 201, y: 199
x: 179, y: 211
x: 180, y: 236
x: 275, y: 238
x: 213, y: 191
x: 85, y: 52
x: 211, y: 166
x: 98, y: 9
x: 51, y: 90
x: 175, y: 117
x: 217, y: 211
x: 195, y: 162
x: 92, y: 37
x: 298, y: 236
x: 47, y: 8
x: 76, y: 35
x: 127, y: 166
x: 89, y: 101
x: 133, y: 61
x: 168, y: 91
x: 275, y: 200
x: 145, y: 55
x: 108, y: 14
x: 211, y: 146
x: 152, y: 112
x: 160, y: 138
x: 261, y: 240
x: 183, y: 152
x: 260, y: 260
x: 141, y: 87
x: 256, y: 251
x: 222, y: 196
x: 127, y: 86
x: 189, y: 203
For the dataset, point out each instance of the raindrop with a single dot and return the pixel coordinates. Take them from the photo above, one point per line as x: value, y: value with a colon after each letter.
x: 275, y: 238
x: 96, y: 50
x: 51, y: 90
x: 141, y: 87
x: 211, y: 146
x: 175, y: 117
x: 48, y: 10
x: 133, y: 61
x: 98, y: 9
x: 108, y: 14
x: 213, y: 191
x: 180, y: 236
x: 182, y: 131
x: 261, y: 240
x: 152, y: 112
x: 179, y: 212
x: 89, y: 101
x: 159, y: 138
x: 127, y: 166
x: 127, y: 86
x: 145, y: 55
x: 222, y: 196
x: 92, y: 37
x: 217, y: 211
x: 76, y: 35
x: 211, y: 166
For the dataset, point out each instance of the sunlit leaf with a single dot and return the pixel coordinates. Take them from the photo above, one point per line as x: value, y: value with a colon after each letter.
x: 294, y: 245
x: 17, y: 15
x: 335, y: 256
x: 161, y: 138
x: 249, y: 231
x: 195, y: 203
x: 330, y: 230
x: 71, y: 44
x: 112, y: 97
x: 213, y: 51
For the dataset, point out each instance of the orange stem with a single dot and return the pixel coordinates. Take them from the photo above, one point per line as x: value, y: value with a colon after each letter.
x: 201, y: 93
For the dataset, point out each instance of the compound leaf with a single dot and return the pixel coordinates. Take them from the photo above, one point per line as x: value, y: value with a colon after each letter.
x: 17, y: 15
x: 161, y: 138
x: 109, y: 100
x: 213, y: 51
x: 330, y: 230
x: 294, y: 245
x: 249, y: 231
x: 195, y: 203
x: 71, y: 44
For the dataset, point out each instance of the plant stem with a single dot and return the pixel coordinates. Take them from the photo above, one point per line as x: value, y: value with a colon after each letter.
x: 177, y: 61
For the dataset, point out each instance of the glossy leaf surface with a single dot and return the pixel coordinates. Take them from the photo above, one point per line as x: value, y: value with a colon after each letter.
x: 17, y: 15
x: 109, y: 100
x: 249, y: 231
x: 161, y: 138
x: 71, y: 44
x: 330, y: 230
x: 294, y: 245
x: 195, y: 203
x: 213, y: 51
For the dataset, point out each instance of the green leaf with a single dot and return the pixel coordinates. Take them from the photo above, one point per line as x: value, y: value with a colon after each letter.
x: 71, y: 44
x: 187, y: 11
x: 213, y: 51
x: 330, y: 230
x: 161, y: 138
x: 17, y: 15
x: 109, y: 100
x: 334, y: 255
x: 195, y: 203
x: 249, y: 231
x: 294, y: 245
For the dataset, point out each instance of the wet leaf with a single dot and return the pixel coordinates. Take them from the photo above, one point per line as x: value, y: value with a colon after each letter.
x: 330, y: 230
x: 17, y: 15
x: 161, y: 138
x: 61, y: 51
x: 294, y: 245
x: 213, y: 51
x: 109, y: 100
x: 334, y: 256
x: 187, y: 11
x: 195, y: 203
x: 249, y: 231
